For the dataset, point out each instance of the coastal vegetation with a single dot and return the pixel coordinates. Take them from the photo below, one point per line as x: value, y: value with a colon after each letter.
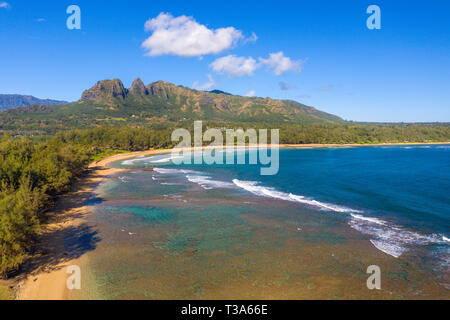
x: 34, y: 171
x: 32, y: 175
x: 45, y: 148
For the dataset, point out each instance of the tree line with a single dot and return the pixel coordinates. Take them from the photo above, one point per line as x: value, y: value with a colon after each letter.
x: 34, y: 171
x: 32, y: 175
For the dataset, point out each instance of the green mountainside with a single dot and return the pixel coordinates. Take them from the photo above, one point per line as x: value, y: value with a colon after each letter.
x: 167, y: 100
x: 109, y: 102
x: 163, y: 106
x: 9, y: 101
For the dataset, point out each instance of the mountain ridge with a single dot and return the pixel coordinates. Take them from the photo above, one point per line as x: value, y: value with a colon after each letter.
x: 110, y: 103
x: 186, y: 101
x: 9, y: 101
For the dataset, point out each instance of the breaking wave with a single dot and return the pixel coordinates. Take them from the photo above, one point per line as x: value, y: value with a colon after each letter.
x: 390, y: 238
x: 253, y: 187
x: 386, y: 237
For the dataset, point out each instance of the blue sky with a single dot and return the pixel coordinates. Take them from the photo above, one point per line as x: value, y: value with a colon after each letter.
x: 329, y: 58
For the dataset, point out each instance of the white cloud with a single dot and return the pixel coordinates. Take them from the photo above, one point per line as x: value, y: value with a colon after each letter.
x: 206, y: 86
x: 281, y: 64
x: 184, y: 36
x: 251, y: 94
x: 235, y: 66
x: 252, y: 38
x: 4, y: 5
x: 40, y: 20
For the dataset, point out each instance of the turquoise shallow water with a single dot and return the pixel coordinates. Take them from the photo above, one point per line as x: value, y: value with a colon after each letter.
x: 204, y: 231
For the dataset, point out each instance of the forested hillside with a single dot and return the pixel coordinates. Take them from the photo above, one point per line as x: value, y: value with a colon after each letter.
x: 110, y: 103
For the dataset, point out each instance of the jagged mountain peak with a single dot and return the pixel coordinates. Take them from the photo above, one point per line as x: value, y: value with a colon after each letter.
x: 138, y: 87
x: 106, y: 89
x: 164, y: 99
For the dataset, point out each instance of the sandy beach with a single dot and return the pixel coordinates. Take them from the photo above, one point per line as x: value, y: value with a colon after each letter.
x: 44, y: 274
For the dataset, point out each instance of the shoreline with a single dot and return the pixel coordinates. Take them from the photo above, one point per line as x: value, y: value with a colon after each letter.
x: 333, y: 145
x: 45, y: 274
x: 125, y: 156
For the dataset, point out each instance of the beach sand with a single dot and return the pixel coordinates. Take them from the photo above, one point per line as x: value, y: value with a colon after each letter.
x: 44, y: 274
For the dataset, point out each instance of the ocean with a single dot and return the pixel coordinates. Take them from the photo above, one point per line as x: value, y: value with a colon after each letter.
x: 309, y: 232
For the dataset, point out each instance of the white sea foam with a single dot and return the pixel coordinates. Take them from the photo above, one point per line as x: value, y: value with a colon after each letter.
x: 167, y: 171
x: 253, y: 187
x: 321, y: 205
x: 374, y: 220
x: 390, y: 238
x: 127, y: 162
x: 132, y: 161
x: 207, y: 183
x: 385, y: 236
x: 166, y: 159
x: 390, y: 248
x: 169, y: 157
x: 125, y: 179
x: 153, y: 159
x: 175, y: 171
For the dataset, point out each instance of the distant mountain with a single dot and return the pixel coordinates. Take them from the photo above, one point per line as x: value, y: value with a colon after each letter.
x: 108, y: 102
x: 163, y: 99
x: 8, y: 101
x: 220, y: 92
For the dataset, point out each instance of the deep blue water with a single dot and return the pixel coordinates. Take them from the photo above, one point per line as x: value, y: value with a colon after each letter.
x: 398, y: 196
x: 310, y: 231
